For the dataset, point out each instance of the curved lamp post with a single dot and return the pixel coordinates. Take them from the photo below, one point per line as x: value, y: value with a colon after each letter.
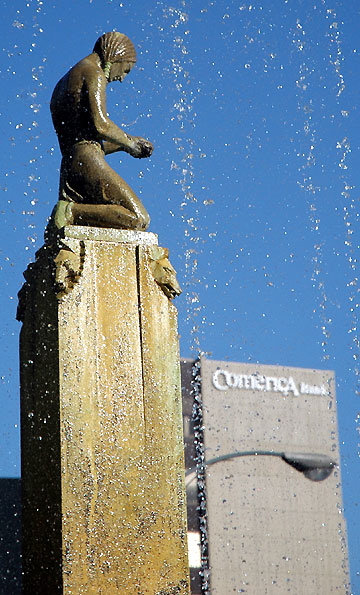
x: 316, y: 467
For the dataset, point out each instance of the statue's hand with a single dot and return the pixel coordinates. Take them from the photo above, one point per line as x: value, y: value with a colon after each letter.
x: 143, y: 148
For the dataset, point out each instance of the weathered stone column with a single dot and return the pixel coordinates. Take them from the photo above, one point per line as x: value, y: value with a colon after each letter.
x: 102, y: 449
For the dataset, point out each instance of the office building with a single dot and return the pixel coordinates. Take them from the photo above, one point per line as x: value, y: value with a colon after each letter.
x: 273, y: 495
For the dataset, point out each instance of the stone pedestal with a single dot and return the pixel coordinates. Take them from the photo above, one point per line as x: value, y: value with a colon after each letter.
x: 102, y: 448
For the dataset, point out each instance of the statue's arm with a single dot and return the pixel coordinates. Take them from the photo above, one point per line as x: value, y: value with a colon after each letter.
x: 110, y: 147
x: 143, y: 147
x: 115, y: 139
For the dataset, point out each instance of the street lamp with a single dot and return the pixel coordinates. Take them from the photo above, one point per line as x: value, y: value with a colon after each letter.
x: 314, y: 466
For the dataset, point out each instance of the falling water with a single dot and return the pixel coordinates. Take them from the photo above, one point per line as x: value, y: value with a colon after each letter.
x: 347, y: 206
x: 183, y: 163
x: 348, y: 200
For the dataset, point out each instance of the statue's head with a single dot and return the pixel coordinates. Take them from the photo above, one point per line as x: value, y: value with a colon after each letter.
x: 117, y: 54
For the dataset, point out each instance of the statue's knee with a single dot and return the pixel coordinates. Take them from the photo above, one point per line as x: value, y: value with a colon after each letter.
x: 144, y: 221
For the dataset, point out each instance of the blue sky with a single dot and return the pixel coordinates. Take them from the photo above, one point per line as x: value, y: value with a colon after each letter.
x: 253, y: 184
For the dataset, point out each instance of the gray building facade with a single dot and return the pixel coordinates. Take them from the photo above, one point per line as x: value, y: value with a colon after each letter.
x: 271, y: 529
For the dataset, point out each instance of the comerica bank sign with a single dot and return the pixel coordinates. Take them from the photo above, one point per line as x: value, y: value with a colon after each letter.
x: 225, y: 380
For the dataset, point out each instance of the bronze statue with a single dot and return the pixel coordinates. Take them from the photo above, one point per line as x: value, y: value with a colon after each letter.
x: 91, y: 192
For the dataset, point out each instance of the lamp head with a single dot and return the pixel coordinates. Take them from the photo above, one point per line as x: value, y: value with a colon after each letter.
x: 316, y: 467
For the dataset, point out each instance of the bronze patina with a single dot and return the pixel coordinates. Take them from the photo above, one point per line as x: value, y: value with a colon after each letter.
x: 91, y: 192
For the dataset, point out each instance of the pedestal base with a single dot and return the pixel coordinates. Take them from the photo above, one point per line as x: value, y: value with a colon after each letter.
x: 102, y: 448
